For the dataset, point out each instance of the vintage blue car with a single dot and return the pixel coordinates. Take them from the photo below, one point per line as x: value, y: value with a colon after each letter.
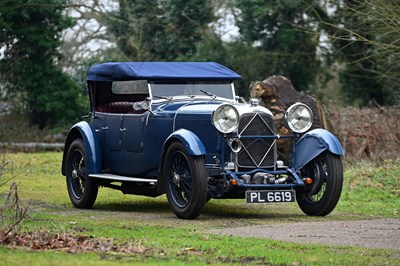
x: 179, y: 128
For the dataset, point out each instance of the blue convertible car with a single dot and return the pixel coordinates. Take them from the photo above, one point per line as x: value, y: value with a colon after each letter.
x: 178, y: 128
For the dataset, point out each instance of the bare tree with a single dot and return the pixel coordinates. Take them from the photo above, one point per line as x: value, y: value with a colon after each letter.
x: 89, y: 36
x: 364, y: 40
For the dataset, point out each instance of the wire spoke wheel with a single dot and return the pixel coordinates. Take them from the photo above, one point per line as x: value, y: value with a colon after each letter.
x: 321, y: 197
x: 82, y: 190
x: 180, y: 179
x: 185, y: 181
x: 78, y: 181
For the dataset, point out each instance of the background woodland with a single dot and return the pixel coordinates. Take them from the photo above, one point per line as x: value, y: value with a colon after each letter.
x: 344, y: 52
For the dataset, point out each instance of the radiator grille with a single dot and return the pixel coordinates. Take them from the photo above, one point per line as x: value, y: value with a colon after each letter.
x: 257, y: 152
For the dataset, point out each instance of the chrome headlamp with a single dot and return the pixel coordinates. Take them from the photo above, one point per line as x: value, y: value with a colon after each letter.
x: 299, y: 117
x: 225, y: 118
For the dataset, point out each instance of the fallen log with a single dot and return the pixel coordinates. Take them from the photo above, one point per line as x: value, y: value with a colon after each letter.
x: 32, y: 145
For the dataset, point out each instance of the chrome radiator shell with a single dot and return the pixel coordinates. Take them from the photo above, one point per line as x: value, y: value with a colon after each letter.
x: 257, y: 151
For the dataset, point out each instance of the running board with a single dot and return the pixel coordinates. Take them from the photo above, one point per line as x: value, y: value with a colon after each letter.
x: 123, y: 178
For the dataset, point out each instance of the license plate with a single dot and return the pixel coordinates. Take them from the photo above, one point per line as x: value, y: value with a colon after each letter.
x: 268, y: 196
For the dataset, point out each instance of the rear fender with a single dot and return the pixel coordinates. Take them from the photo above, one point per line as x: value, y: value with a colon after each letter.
x: 312, y: 144
x: 83, y: 131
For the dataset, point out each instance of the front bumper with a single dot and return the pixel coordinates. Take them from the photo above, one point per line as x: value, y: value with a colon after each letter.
x: 233, y: 184
x: 293, y: 180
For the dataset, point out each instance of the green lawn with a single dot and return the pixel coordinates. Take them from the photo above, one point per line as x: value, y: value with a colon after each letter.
x: 152, y: 234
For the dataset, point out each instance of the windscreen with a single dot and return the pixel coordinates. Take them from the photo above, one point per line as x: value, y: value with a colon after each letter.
x: 130, y: 87
x: 192, y: 89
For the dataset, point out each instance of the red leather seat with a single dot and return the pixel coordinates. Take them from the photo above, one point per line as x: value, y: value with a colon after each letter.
x: 115, y: 107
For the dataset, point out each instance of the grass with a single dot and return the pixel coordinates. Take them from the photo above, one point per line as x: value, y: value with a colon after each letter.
x: 147, y: 223
x: 372, y: 190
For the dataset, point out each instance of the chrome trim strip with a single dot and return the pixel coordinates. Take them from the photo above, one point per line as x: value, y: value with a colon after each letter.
x: 122, y: 178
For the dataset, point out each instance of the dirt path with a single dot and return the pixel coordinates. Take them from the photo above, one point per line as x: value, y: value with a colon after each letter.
x: 369, y: 233
x: 377, y: 233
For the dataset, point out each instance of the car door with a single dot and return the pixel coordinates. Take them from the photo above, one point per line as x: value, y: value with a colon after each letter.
x: 114, y: 132
x: 125, y: 145
x: 132, y: 132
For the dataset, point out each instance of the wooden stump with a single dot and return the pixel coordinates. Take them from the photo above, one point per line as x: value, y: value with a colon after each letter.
x: 278, y: 94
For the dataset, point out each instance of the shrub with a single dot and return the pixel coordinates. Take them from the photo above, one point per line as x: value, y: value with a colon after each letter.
x: 11, y: 211
x: 371, y: 133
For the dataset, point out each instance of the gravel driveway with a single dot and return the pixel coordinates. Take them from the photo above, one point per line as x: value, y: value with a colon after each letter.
x: 376, y: 233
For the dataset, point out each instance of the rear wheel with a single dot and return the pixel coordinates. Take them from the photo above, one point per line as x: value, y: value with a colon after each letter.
x: 321, y: 197
x: 82, y: 190
x: 185, y: 181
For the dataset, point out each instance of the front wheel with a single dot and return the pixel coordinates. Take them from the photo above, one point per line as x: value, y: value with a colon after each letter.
x: 321, y: 197
x: 82, y: 190
x: 185, y: 181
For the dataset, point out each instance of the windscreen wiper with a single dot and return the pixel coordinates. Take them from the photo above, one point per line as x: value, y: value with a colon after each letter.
x: 209, y: 94
x: 169, y: 98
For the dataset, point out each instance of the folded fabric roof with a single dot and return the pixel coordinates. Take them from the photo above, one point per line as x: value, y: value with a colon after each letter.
x: 120, y: 71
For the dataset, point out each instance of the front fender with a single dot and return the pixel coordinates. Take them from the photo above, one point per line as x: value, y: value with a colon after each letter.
x: 83, y: 131
x: 191, y: 141
x: 312, y: 144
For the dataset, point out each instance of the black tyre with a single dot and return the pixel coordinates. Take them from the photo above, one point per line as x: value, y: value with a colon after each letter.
x: 82, y: 190
x: 321, y: 197
x: 185, y: 181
